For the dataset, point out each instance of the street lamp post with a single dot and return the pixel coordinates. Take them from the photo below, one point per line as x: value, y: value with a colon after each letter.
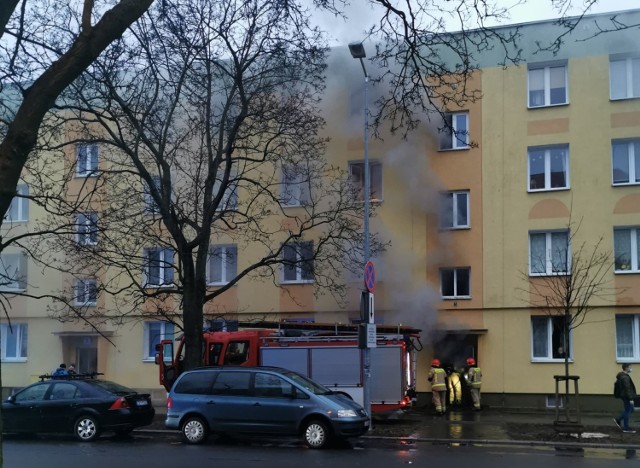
x: 358, y: 52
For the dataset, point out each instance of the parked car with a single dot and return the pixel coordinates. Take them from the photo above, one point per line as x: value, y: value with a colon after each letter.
x: 79, y: 404
x: 260, y: 400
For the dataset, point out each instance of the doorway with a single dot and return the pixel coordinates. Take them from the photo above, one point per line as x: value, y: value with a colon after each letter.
x: 86, y: 360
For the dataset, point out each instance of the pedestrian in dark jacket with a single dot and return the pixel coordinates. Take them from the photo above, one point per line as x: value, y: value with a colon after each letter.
x: 627, y: 394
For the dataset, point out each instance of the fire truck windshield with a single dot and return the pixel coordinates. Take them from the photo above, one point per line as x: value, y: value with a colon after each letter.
x: 308, y: 384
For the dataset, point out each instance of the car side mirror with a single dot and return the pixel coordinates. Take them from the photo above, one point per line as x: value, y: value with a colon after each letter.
x: 11, y: 399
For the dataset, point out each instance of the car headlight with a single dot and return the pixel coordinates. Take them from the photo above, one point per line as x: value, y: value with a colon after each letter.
x: 347, y: 413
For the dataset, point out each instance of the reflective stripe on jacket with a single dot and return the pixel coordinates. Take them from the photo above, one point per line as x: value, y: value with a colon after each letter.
x: 437, y: 378
x: 475, y: 377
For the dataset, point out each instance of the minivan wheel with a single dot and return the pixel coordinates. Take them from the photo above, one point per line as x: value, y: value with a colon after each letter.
x: 86, y: 428
x: 316, y: 434
x: 194, y: 430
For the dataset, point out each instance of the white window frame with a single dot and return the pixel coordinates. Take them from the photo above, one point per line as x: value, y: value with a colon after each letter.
x: 628, y: 93
x: 83, y: 290
x: 18, y: 211
x: 226, y: 266
x: 454, y: 209
x: 634, y: 172
x: 549, y: 341
x: 147, y: 337
x: 547, y: 84
x: 634, y: 267
x: 456, y: 139
x: 299, y: 279
x: 297, y: 191
x: 455, y: 283
x: 87, y: 228
x: 547, y: 168
x: 9, y: 262
x: 635, y: 339
x: 166, y: 266
x: 549, y: 253
x: 22, y: 341
x: 357, y: 178
x: 85, y: 163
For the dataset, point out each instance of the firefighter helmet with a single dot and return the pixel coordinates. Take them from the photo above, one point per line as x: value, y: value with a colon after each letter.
x: 471, y: 362
x: 435, y: 363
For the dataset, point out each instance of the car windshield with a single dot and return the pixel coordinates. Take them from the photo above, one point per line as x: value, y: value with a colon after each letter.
x: 112, y: 387
x: 308, y: 384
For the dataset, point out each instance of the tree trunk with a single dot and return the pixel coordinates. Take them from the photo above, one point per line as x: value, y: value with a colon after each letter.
x: 192, y: 313
x: 565, y: 347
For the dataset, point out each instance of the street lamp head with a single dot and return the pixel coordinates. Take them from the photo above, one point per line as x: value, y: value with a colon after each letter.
x: 357, y: 50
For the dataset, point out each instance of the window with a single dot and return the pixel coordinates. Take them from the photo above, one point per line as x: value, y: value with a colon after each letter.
x: 548, y: 253
x: 298, y: 263
x: 627, y: 250
x: 35, y: 393
x: 454, y: 210
x: 237, y: 353
x: 13, y: 272
x: 154, y: 333
x: 64, y: 391
x: 548, y: 168
x: 158, y: 269
x: 223, y: 264
x: 356, y: 173
x: 624, y: 77
x: 196, y: 383
x: 295, y: 187
x: 14, y: 341
x: 19, y: 208
x: 232, y: 383
x: 455, y: 283
x: 85, y: 292
x: 87, y: 164
x: 87, y: 228
x: 547, y: 338
x: 455, y: 134
x: 150, y: 205
x: 268, y: 385
x: 628, y: 338
x: 625, y: 155
x: 547, y: 85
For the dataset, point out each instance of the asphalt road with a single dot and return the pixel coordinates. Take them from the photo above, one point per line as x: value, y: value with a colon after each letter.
x: 158, y: 451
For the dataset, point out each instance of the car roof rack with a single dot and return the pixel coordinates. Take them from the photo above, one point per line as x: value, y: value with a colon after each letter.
x: 89, y: 376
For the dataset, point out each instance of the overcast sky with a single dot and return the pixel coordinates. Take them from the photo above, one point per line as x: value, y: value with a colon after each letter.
x: 361, y: 14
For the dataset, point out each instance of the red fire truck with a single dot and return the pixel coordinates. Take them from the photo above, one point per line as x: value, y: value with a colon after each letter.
x: 327, y: 353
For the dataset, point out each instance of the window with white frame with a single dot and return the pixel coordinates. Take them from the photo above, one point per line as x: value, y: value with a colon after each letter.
x: 455, y: 134
x: 548, y: 167
x: 356, y: 173
x: 223, y: 264
x: 87, y: 160
x: 626, y: 246
x: 295, y: 186
x: 625, y: 161
x: 297, y: 262
x: 150, y: 205
x: 19, y: 208
x: 454, y: 210
x: 547, y: 85
x: 13, y: 272
x: 87, y: 228
x: 624, y: 77
x: 455, y: 283
x: 627, y: 338
x: 85, y: 292
x: 549, y: 253
x: 158, y: 267
x: 14, y: 341
x: 154, y: 333
x: 548, y: 338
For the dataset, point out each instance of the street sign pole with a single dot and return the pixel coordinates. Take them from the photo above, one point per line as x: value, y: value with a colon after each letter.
x: 368, y: 321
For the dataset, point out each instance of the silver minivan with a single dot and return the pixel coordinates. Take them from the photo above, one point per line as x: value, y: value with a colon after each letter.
x: 260, y: 400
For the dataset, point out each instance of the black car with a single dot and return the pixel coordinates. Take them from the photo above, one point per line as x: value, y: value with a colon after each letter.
x: 82, y: 405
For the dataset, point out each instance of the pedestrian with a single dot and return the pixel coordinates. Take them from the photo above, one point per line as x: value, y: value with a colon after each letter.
x: 61, y: 371
x: 626, y: 392
x: 474, y: 377
x: 437, y: 377
x: 72, y: 369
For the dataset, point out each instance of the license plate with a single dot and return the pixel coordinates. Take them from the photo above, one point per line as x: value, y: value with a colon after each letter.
x: 142, y: 403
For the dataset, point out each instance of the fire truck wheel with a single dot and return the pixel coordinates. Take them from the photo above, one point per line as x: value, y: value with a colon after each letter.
x: 86, y: 428
x: 316, y: 435
x: 194, y: 430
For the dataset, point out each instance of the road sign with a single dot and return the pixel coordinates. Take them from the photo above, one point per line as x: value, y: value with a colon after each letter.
x: 370, y: 308
x: 370, y: 277
x: 371, y: 335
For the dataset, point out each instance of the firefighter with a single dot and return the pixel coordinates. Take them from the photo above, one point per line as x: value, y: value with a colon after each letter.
x: 474, y: 376
x: 437, y: 377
